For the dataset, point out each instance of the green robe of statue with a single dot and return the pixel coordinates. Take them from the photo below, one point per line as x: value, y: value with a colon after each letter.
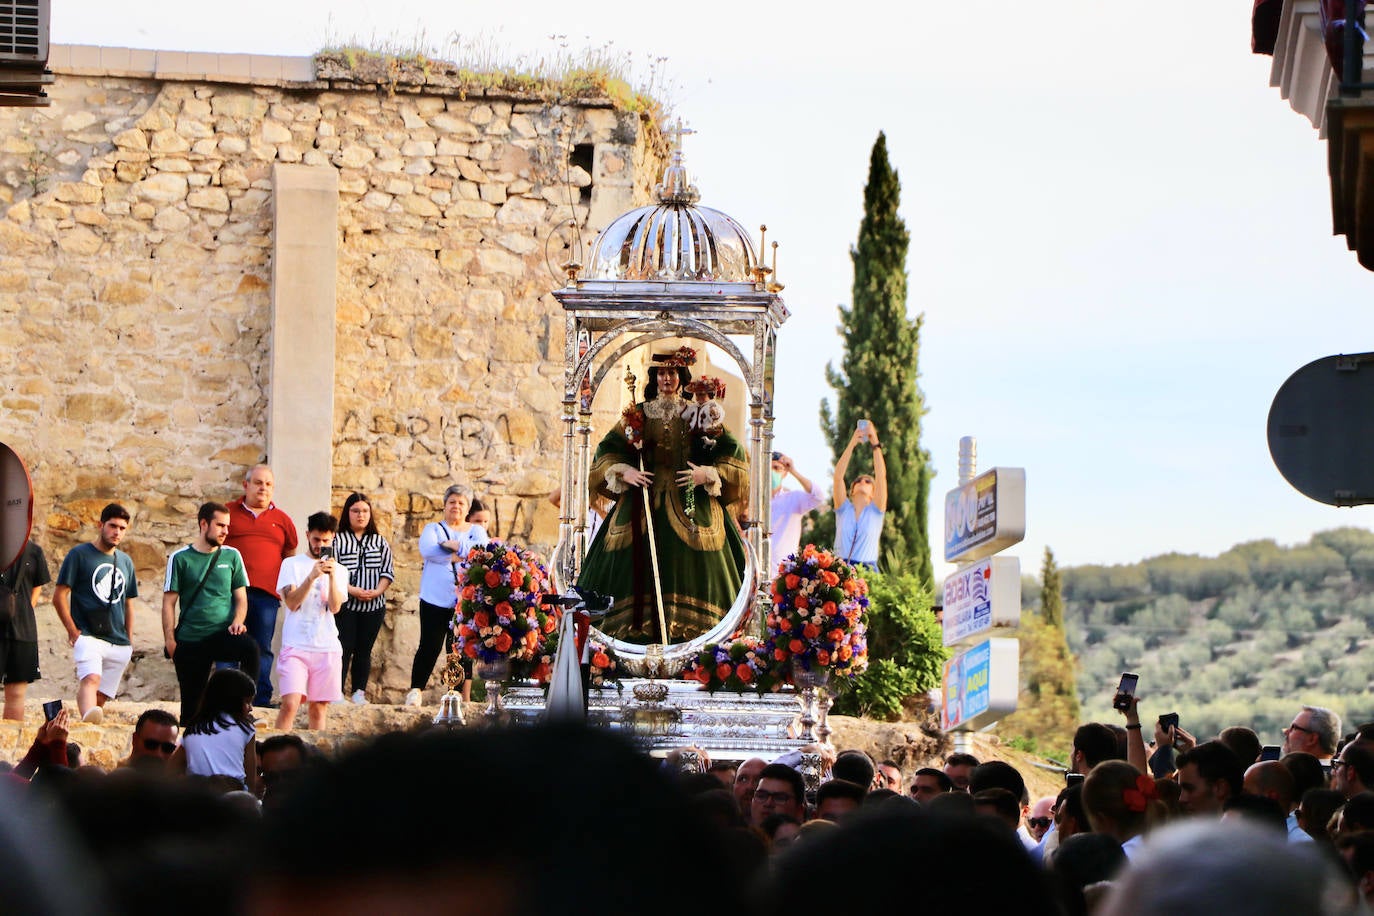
x: 700, y: 558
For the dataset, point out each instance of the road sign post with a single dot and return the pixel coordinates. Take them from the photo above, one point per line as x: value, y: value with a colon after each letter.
x: 984, y: 515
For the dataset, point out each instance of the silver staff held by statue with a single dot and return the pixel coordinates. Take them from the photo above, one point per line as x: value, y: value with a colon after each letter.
x: 648, y: 520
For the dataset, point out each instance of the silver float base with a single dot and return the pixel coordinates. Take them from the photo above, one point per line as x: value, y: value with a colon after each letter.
x: 728, y: 725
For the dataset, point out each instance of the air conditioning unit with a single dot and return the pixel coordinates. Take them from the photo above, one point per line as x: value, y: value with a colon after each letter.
x: 24, y: 28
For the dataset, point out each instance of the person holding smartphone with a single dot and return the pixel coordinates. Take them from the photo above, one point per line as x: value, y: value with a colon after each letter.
x: 367, y: 556
x: 443, y: 546
x: 859, y: 516
x: 312, y: 587
x: 787, y: 508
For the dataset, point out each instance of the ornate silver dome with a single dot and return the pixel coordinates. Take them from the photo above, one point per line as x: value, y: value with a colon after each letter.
x: 673, y: 239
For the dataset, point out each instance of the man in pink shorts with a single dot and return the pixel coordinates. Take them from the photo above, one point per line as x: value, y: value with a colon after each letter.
x: 313, y: 587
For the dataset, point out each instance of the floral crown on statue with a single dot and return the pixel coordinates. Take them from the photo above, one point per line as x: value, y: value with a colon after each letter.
x: 682, y: 356
x: 708, y: 385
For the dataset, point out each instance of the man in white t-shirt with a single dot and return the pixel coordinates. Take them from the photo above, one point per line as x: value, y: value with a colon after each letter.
x: 313, y: 587
x: 788, y: 507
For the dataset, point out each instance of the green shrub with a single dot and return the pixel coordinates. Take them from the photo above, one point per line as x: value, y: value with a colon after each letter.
x: 905, y: 649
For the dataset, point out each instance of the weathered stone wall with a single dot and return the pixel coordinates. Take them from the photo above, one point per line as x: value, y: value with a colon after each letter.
x: 135, y: 299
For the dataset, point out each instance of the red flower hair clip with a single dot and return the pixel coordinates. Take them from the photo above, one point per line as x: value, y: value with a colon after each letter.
x: 1138, y: 798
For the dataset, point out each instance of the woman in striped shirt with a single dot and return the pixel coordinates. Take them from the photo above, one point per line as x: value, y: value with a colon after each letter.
x: 367, y: 557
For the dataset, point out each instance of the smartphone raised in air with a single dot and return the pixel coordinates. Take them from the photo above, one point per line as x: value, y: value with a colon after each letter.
x: 1124, y: 691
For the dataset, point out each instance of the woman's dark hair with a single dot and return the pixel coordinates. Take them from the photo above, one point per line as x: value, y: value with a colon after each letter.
x: 684, y: 375
x: 1317, y: 807
x: 475, y: 507
x: 1112, y: 791
x: 882, y: 844
x: 1083, y: 859
x: 345, y: 525
x: 1359, y: 811
x: 1306, y: 770
x: 221, y: 705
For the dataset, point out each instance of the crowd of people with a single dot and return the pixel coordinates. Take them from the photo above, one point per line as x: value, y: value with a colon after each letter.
x: 576, y: 820
x: 222, y: 594
x: 1146, y: 823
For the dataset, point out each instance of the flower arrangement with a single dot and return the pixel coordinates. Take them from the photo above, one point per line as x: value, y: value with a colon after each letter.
x: 499, y: 617
x: 604, y: 664
x: 682, y: 356
x: 707, y: 386
x: 817, y: 618
x: 632, y: 422
x: 604, y: 667
x: 739, y: 665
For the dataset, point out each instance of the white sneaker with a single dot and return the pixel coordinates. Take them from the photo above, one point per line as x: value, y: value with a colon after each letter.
x: 413, y: 697
x: 94, y: 716
x: 359, y: 698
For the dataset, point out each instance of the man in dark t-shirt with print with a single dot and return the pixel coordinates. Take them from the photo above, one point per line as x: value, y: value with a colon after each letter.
x: 94, y: 588
x: 24, y: 581
x: 209, y: 581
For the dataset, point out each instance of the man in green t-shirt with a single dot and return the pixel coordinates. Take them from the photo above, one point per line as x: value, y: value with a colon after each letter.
x: 209, y: 581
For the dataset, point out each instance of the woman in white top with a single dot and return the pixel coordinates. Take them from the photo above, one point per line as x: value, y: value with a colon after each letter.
x: 220, y: 738
x: 443, y: 545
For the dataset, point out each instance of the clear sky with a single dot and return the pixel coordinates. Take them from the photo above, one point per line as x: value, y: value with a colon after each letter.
x: 1121, y: 234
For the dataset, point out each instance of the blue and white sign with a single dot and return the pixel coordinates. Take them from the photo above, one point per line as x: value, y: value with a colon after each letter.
x: 981, y: 598
x: 980, y: 684
x: 985, y: 515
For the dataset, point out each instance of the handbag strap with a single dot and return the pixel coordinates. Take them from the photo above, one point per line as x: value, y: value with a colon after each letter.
x: 853, y: 542
x: 448, y: 536
x: 188, y: 599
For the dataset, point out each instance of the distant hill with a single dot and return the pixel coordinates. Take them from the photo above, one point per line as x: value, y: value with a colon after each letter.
x: 1240, y: 639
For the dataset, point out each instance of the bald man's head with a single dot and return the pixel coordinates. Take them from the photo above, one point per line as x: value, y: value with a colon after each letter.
x: 1272, y: 780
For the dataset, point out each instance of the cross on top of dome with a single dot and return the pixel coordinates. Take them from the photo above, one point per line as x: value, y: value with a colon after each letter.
x: 676, y: 187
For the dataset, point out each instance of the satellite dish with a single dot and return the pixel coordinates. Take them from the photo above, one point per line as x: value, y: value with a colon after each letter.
x: 1321, y: 430
x: 16, y: 506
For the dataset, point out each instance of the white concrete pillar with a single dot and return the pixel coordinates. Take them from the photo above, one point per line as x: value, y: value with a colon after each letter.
x: 300, y: 413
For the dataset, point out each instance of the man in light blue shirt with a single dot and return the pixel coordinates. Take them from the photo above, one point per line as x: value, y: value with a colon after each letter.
x: 859, y: 518
x: 1271, y: 779
x: 787, y: 509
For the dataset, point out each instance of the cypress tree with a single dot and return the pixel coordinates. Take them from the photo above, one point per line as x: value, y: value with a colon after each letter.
x: 878, y: 374
x: 1051, y: 592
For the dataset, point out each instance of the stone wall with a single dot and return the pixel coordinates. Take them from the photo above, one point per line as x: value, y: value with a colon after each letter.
x: 136, y: 299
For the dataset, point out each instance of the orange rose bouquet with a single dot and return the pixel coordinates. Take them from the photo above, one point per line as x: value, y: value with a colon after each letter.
x: 739, y: 665
x: 499, y: 616
x: 603, y: 664
x: 817, y: 621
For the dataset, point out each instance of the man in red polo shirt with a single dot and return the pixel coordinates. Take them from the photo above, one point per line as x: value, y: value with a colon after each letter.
x: 264, y: 535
